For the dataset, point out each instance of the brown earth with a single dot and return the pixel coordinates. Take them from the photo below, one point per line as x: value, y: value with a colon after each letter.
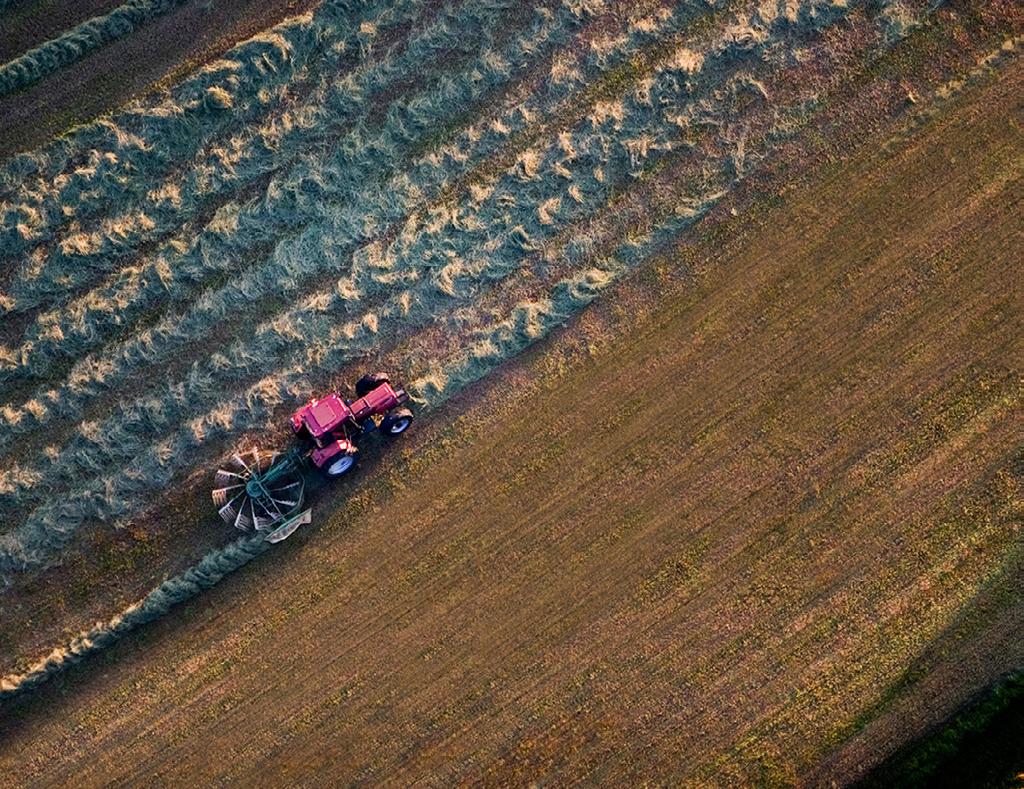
x: 158, y: 53
x: 24, y: 26
x: 757, y: 519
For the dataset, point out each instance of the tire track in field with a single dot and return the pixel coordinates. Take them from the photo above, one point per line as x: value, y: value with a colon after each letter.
x: 328, y: 346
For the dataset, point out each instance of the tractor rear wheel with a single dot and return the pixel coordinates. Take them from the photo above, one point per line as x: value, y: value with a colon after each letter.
x: 370, y: 382
x: 396, y: 422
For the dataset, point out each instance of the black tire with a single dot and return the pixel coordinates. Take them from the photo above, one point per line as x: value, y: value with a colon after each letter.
x: 338, y: 467
x: 396, y: 422
x: 370, y: 382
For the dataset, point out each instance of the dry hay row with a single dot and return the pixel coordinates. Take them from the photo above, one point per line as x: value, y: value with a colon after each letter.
x: 170, y: 213
x: 322, y: 249
x: 203, y: 575
x: 176, y: 125
x: 105, y: 160
x: 606, y: 161
x: 293, y: 199
x: 78, y: 42
x: 204, y: 153
x: 269, y: 128
x: 416, y: 257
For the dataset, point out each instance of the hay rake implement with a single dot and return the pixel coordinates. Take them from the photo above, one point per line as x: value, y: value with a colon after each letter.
x: 263, y: 490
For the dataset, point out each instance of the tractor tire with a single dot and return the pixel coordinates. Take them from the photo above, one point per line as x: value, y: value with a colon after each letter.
x: 339, y: 466
x: 370, y: 382
x: 396, y: 422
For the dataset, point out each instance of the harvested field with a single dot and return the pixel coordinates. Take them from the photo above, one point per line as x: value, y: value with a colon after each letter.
x: 754, y: 515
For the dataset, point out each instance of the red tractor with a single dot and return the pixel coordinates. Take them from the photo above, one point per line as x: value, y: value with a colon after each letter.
x: 264, y: 490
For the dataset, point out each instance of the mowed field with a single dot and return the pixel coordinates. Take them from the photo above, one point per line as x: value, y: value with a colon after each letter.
x: 754, y: 515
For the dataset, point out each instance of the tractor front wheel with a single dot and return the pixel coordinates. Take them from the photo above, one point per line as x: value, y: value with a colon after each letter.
x: 396, y: 422
x: 370, y: 382
x: 339, y: 465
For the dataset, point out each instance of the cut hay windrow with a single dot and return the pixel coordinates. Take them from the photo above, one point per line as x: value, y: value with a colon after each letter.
x: 607, y: 159
x: 349, y: 177
x: 136, y: 147
x: 112, y: 159
x: 346, y: 104
x: 285, y: 272
x: 98, y: 375
x: 78, y: 42
x: 112, y: 162
x: 225, y: 167
x: 249, y: 72
x: 203, y: 575
x: 444, y: 272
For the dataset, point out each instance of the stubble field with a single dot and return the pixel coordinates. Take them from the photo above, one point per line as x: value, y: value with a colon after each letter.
x: 752, y: 515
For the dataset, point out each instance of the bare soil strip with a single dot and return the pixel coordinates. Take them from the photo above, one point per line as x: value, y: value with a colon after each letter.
x: 756, y: 511
x: 29, y: 24
x: 169, y: 47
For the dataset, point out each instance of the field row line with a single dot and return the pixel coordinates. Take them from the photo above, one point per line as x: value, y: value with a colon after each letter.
x: 75, y: 44
x: 207, y: 572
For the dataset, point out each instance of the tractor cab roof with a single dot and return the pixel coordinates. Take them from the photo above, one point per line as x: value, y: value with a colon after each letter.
x: 323, y: 416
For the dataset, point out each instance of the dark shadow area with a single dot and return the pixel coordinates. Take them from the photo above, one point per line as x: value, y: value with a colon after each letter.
x: 981, y: 746
x: 982, y: 743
